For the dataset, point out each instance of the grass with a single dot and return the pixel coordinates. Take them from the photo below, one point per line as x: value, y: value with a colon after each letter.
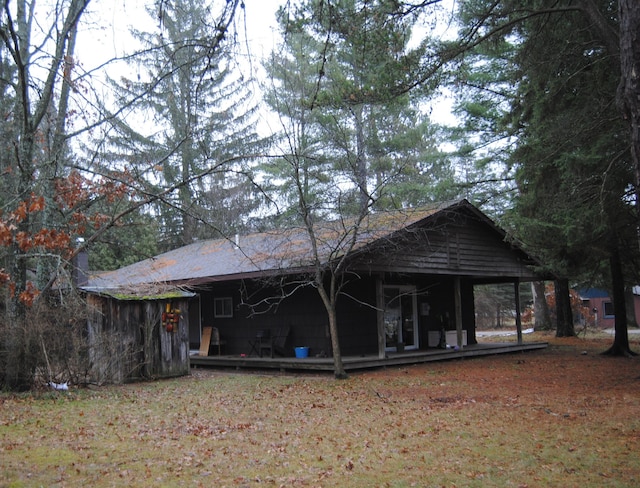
x: 557, y: 417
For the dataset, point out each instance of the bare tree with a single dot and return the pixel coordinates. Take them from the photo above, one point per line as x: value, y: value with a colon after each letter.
x: 344, y: 128
x: 48, y: 194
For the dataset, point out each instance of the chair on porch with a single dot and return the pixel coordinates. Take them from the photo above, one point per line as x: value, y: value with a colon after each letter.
x: 268, y: 341
x: 261, y: 343
x: 279, y: 340
x: 215, y: 340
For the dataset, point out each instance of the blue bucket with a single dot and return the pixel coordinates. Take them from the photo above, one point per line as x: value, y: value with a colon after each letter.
x: 302, y: 352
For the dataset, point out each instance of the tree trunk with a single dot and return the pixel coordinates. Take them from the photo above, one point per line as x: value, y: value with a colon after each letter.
x: 541, y: 313
x: 329, y: 301
x: 620, y: 346
x: 338, y: 366
x: 51, y: 167
x: 628, y: 95
x: 563, y: 309
x: 516, y: 291
x: 361, y: 169
x: 630, y: 306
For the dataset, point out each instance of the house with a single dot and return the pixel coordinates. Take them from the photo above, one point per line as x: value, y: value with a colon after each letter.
x: 407, y: 284
x: 598, y: 307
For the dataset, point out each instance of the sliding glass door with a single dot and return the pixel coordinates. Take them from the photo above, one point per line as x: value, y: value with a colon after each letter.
x: 400, y: 317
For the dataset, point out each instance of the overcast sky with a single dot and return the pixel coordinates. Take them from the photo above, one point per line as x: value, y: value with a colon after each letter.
x: 106, y: 24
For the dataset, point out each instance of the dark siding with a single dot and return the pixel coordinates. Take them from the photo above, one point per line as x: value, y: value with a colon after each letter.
x: 194, y: 322
x: 303, y: 313
x: 357, y: 326
x: 468, y: 248
x: 306, y: 316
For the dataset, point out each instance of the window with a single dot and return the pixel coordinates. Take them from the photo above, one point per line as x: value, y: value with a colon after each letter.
x: 608, y: 309
x: 223, y: 307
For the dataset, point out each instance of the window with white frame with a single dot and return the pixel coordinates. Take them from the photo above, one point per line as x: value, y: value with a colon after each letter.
x: 222, y: 307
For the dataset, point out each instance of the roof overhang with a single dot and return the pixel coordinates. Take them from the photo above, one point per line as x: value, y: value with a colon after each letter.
x: 131, y: 295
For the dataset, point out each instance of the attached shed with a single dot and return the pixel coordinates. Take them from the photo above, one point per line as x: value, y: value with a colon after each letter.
x: 138, y: 336
x: 407, y: 283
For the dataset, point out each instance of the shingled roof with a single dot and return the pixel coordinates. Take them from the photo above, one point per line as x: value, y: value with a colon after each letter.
x: 262, y: 254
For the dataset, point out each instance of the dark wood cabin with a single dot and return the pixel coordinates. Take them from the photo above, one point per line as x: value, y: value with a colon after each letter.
x: 408, y: 283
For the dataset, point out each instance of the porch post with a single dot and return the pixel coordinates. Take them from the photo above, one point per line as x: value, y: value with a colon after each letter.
x: 458, y: 305
x: 516, y: 289
x: 380, y: 317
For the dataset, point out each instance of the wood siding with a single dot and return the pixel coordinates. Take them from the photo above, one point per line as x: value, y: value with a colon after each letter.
x: 305, y: 316
x: 465, y: 247
x: 128, y: 341
x: 303, y: 313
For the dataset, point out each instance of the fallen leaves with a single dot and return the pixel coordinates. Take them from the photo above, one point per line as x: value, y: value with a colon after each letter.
x: 488, y: 422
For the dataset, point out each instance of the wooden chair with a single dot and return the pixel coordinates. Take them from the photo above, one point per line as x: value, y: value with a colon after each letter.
x: 264, y: 342
x: 270, y: 341
x: 280, y: 340
x: 215, y: 340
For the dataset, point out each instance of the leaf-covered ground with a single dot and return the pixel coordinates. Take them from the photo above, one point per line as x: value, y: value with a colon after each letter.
x: 565, y: 416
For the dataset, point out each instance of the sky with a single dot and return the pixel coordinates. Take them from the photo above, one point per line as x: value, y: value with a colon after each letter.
x: 106, y: 26
x: 261, y: 22
x: 105, y: 35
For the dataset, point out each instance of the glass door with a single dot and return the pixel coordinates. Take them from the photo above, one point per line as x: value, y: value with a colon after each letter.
x: 400, y: 318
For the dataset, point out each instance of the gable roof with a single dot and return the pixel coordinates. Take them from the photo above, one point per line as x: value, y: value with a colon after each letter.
x: 272, y: 253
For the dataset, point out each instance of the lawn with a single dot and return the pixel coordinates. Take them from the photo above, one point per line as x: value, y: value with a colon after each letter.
x: 565, y: 416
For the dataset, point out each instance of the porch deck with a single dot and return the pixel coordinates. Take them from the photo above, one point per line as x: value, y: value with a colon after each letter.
x: 353, y: 363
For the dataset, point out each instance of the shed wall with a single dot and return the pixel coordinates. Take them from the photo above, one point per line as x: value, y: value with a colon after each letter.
x: 128, y: 340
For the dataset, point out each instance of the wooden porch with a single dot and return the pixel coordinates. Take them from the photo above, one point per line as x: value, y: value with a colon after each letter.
x: 353, y: 363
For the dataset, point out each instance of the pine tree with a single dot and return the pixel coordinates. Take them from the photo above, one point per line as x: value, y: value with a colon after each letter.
x: 338, y: 82
x: 198, y: 123
x: 573, y: 170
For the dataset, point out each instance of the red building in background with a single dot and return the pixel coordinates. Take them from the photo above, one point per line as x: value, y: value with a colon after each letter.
x: 600, y: 305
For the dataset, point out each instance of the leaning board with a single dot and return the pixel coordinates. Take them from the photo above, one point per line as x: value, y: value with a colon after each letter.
x: 205, y: 341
